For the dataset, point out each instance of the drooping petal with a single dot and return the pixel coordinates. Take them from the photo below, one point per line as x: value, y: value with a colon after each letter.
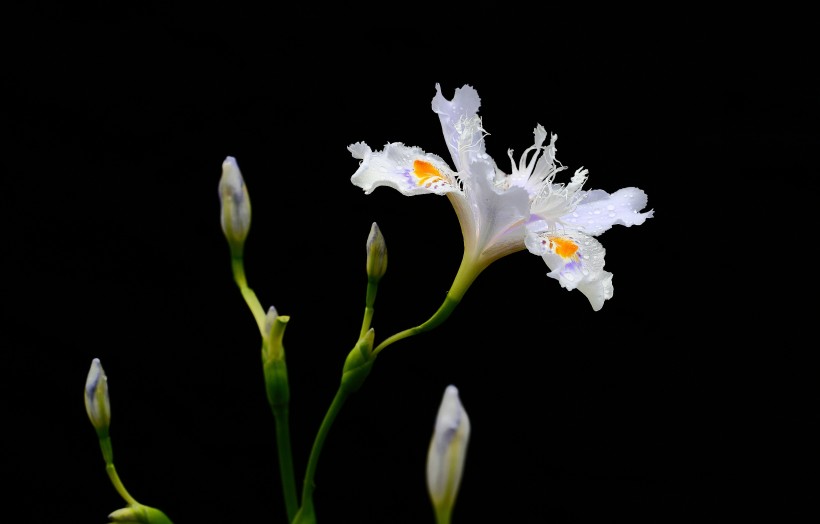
x: 597, y: 289
x: 409, y: 170
x: 576, y: 260
x: 598, y: 210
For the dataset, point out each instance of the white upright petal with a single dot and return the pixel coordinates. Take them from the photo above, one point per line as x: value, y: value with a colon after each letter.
x: 448, y: 449
x: 453, y: 114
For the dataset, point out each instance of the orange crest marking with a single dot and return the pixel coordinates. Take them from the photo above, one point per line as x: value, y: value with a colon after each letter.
x: 563, y: 247
x: 426, y: 173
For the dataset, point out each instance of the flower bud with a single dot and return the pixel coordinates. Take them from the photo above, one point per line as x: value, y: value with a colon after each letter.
x: 139, y: 513
x: 358, y: 363
x: 275, y: 324
x: 235, y: 205
x: 448, y: 449
x: 97, y: 404
x: 376, y: 254
x: 273, y: 359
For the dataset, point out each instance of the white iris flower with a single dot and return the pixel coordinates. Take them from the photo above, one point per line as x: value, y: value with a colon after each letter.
x: 503, y: 213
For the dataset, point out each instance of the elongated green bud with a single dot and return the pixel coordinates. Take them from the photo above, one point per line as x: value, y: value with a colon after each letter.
x: 275, y: 324
x: 236, y: 205
x: 376, y: 254
x: 97, y: 403
x: 273, y: 359
x: 358, y: 363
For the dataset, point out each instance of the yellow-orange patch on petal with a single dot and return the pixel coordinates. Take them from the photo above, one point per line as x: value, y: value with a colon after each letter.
x: 563, y: 247
x: 426, y: 173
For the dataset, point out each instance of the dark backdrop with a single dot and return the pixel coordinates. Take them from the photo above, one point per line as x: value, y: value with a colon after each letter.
x: 644, y: 411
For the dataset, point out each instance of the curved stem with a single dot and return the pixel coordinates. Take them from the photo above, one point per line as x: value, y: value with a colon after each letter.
x: 318, y: 443
x: 440, y: 316
x: 467, y: 273
x: 238, y: 268
x: 108, y: 455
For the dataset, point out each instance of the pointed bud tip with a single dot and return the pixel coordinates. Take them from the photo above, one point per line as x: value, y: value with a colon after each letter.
x: 94, y: 374
x: 231, y: 176
x: 270, y: 318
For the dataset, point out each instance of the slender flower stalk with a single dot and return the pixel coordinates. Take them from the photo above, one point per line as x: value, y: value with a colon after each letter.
x: 98, y: 407
x: 356, y: 369
x: 278, y: 391
x: 467, y: 272
x: 235, y: 218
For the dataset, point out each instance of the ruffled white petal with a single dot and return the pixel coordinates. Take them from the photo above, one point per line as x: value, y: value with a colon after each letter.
x: 598, y: 210
x: 409, y: 170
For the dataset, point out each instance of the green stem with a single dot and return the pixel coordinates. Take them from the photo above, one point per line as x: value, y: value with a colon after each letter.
x: 467, y: 273
x: 281, y: 415
x: 370, y: 299
x: 366, y: 321
x: 318, y: 443
x: 280, y: 412
x: 440, y: 316
x: 108, y: 455
x: 443, y: 515
x: 238, y: 268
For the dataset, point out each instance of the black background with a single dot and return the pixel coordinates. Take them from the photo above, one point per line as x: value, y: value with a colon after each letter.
x: 650, y: 410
